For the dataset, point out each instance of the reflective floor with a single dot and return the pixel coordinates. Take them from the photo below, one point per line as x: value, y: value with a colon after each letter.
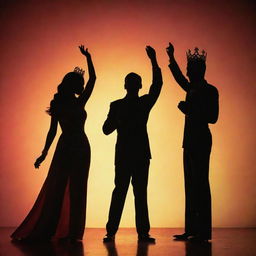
x: 226, y: 242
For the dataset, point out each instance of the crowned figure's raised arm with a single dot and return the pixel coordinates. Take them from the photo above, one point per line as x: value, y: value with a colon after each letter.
x: 176, y: 72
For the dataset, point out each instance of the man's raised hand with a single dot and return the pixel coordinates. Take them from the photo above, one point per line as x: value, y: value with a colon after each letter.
x: 170, y: 50
x: 150, y: 52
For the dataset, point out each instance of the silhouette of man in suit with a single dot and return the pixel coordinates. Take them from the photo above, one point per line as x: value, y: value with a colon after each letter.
x: 200, y: 108
x: 129, y: 117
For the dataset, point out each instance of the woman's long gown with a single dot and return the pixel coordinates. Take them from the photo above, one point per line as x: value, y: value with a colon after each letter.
x: 60, y: 208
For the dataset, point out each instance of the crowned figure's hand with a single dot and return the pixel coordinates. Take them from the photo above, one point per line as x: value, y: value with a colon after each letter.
x: 84, y: 51
x: 170, y: 50
x: 183, y: 107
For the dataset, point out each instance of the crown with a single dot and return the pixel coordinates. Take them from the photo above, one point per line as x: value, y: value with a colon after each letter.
x: 79, y: 71
x: 196, y: 56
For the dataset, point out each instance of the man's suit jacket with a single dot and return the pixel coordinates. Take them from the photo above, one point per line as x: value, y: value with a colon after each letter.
x: 129, y: 117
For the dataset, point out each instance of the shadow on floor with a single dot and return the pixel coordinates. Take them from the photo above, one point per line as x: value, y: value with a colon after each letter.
x: 77, y: 249
x: 50, y: 249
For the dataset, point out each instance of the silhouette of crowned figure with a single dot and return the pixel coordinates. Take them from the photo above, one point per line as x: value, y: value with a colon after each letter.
x: 200, y: 108
x: 59, y: 210
x: 129, y: 117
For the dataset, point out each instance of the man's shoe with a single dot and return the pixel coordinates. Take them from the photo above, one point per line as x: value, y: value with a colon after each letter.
x: 108, y: 238
x: 146, y: 239
x: 183, y: 237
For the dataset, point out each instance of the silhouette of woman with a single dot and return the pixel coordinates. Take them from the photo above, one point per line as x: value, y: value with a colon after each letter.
x: 59, y: 210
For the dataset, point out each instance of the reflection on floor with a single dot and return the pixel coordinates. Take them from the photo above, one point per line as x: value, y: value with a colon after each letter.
x: 226, y: 242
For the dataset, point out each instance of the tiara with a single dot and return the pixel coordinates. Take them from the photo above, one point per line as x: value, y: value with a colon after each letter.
x: 196, y: 56
x: 79, y: 71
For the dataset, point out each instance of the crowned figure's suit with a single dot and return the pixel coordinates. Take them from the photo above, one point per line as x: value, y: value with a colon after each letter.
x: 203, y: 108
x: 129, y: 117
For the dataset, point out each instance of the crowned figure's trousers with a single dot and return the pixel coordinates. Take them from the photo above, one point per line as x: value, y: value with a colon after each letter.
x: 197, y: 192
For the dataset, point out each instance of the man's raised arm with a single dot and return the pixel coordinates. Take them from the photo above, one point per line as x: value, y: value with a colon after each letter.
x: 157, y: 82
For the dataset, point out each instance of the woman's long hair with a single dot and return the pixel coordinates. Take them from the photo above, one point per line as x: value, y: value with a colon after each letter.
x: 65, y: 92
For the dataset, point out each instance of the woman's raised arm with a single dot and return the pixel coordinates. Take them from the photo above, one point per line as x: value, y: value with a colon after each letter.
x: 92, y: 77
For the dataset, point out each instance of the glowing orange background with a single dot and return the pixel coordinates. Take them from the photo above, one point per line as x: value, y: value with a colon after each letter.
x: 39, y: 45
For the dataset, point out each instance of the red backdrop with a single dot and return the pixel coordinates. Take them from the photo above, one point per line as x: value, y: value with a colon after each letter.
x: 39, y: 45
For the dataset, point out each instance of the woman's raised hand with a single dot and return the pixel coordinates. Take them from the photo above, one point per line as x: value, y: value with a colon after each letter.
x: 84, y: 51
